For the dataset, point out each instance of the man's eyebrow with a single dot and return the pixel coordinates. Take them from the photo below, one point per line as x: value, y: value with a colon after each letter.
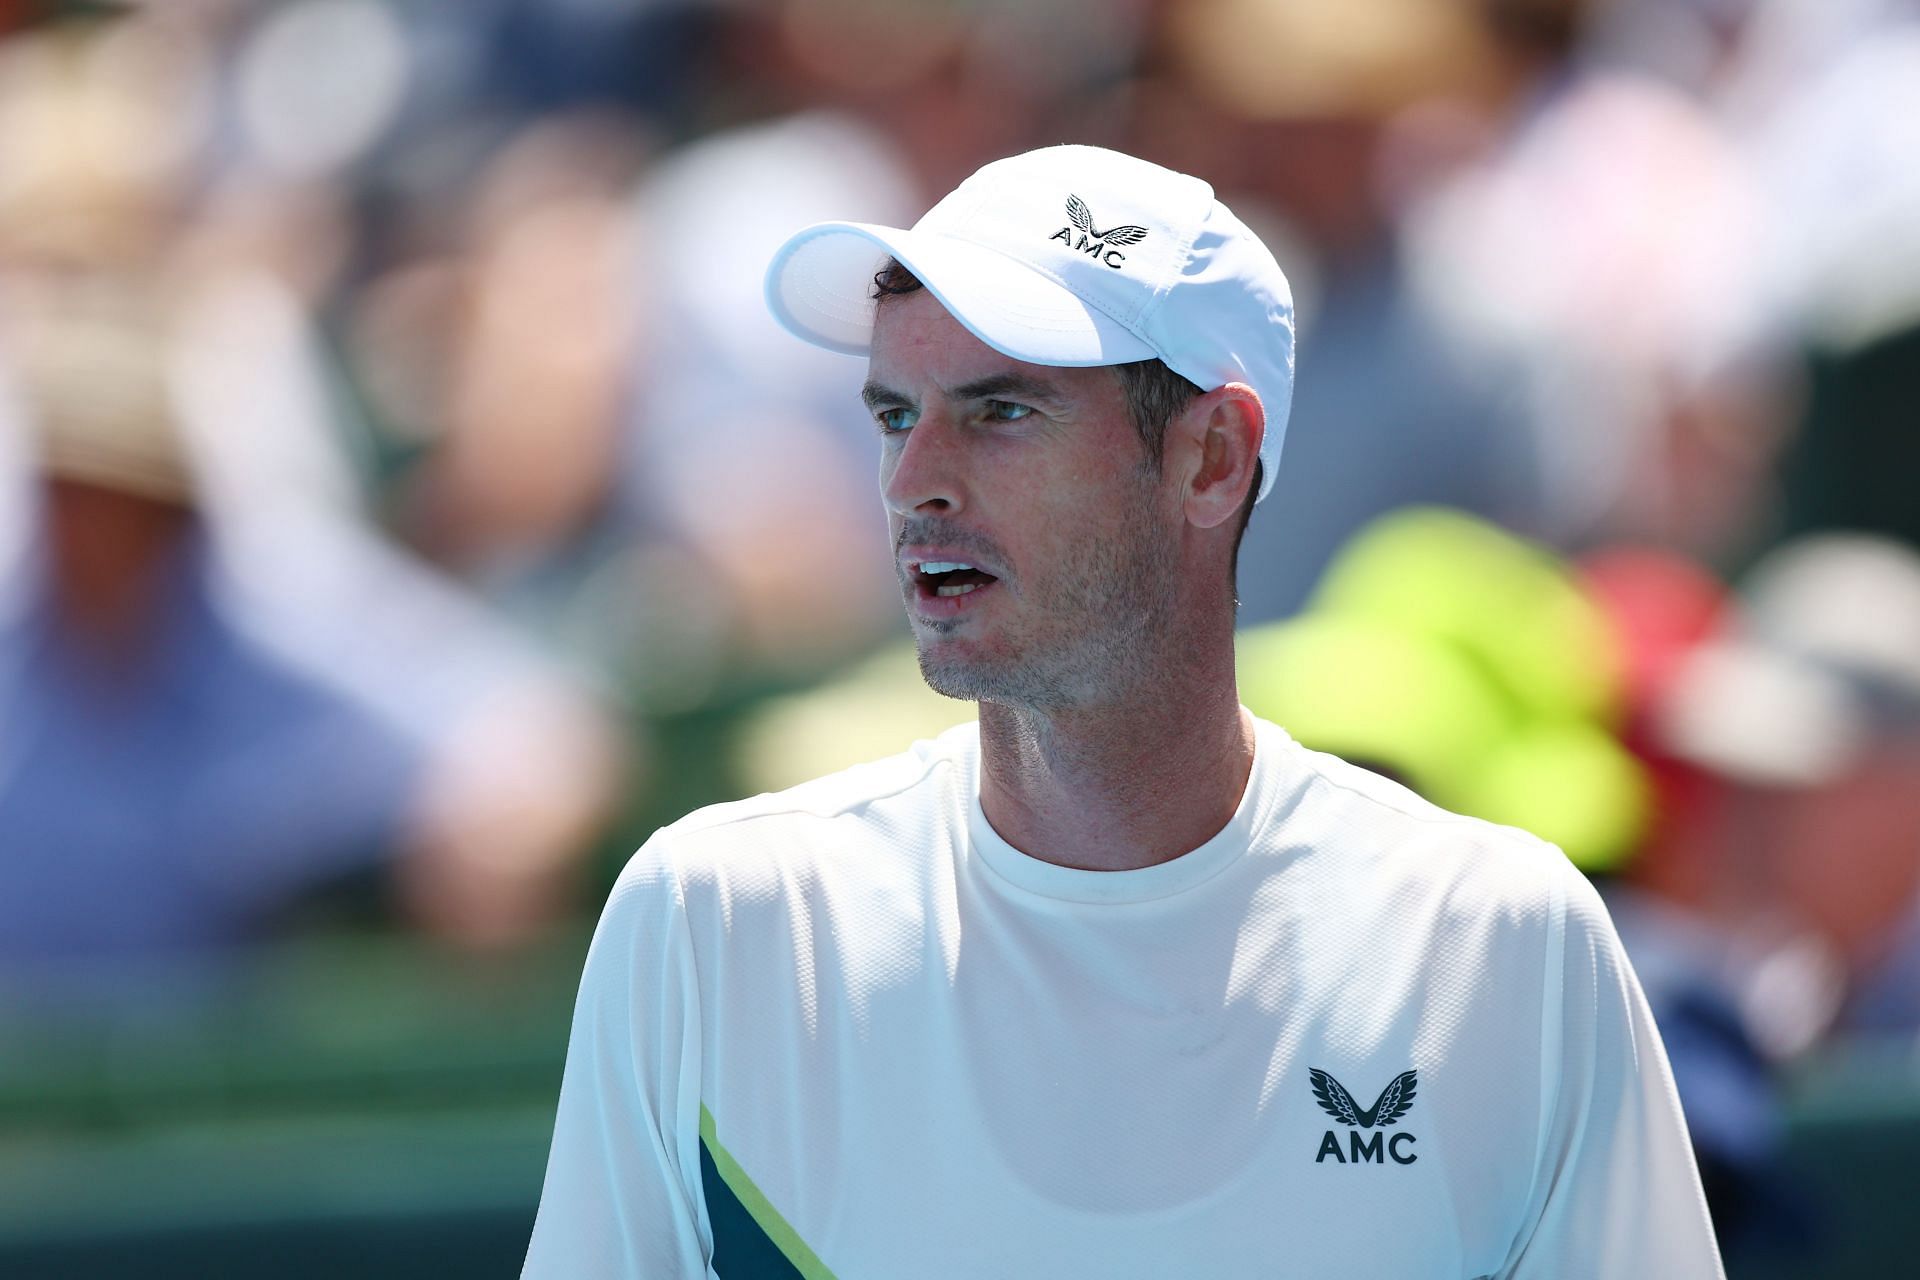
x: 1023, y: 385
x: 876, y: 396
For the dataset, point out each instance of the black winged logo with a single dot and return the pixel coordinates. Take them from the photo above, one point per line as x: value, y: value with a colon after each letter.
x: 1082, y: 217
x: 1393, y: 1102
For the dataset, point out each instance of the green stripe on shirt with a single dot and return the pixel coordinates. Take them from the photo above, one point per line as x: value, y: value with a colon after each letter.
x: 751, y: 1240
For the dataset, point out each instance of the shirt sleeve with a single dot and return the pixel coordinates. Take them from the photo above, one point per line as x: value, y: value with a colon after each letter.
x: 1616, y: 1195
x: 622, y: 1195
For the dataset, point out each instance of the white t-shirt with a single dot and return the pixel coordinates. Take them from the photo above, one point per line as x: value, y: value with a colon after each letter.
x: 847, y: 1030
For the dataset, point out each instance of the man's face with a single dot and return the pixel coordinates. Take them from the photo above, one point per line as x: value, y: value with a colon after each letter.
x: 1035, y: 478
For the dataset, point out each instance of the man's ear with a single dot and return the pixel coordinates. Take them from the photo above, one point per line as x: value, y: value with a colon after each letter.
x: 1218, y: 439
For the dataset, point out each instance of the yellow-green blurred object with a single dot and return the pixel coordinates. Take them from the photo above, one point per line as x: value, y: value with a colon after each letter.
x: 1504, y: 602
x: 1467, y: 663
x: 1571, y: 783
x: 875, y: 709
x: 1373, y: 694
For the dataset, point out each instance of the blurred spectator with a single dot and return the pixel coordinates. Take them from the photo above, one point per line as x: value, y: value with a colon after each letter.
x: 1774, y: 904
x: 1810, y: 709
x: 171, y: 780
x: 166, y: 785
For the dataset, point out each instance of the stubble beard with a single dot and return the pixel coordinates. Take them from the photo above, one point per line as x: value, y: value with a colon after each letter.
x: 1099, y: 624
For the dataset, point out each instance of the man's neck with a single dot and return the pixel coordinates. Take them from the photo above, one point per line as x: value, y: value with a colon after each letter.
x: 1117, y: 787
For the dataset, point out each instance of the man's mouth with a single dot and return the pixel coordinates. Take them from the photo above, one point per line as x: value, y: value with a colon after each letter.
x: 943, y: 578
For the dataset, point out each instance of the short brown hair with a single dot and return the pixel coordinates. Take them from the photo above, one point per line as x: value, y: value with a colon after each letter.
x: 1154, y: 393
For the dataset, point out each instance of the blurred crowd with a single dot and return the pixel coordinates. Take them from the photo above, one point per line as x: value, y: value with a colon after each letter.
x: 396, y: 457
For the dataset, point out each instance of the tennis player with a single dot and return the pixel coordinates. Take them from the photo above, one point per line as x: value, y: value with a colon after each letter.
x: 1122, y: 981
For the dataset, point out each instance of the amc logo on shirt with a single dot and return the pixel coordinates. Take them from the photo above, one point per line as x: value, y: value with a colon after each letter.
x: 1393, y: 1103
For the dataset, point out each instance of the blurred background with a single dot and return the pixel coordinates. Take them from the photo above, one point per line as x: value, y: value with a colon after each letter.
x: 406, y: 504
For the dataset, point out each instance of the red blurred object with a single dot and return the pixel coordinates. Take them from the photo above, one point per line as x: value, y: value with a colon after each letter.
x: 1660, y: 606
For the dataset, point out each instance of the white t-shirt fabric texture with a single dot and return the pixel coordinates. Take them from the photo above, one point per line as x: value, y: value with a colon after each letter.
x: 847, y: 1031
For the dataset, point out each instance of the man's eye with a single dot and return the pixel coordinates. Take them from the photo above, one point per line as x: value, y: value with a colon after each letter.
x: 893, y: 421
x: 1006, y: 411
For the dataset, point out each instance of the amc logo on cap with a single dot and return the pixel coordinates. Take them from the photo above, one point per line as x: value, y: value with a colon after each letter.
x: 1098, y: 245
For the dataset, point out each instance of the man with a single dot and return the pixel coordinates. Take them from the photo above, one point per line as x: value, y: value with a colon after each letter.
x: 159, y: 764
x: 182, y: 764
x: 1124, y: 982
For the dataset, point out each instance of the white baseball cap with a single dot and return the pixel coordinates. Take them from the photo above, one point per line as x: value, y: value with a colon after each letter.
x: 1068, y: 256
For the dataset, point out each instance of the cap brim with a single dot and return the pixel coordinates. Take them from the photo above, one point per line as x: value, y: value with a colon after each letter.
x: 820, y: 288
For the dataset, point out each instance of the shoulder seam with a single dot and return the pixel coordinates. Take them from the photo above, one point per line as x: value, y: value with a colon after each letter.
x: 706, y: 819
x: 1439, y: 816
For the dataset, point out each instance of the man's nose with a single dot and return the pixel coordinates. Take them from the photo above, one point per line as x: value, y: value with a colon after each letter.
x: 922, y: 473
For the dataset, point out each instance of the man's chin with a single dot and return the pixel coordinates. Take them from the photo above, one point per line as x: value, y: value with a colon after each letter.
x: 974, y: 679
x: 951, y: 679
x: 954, y: 674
